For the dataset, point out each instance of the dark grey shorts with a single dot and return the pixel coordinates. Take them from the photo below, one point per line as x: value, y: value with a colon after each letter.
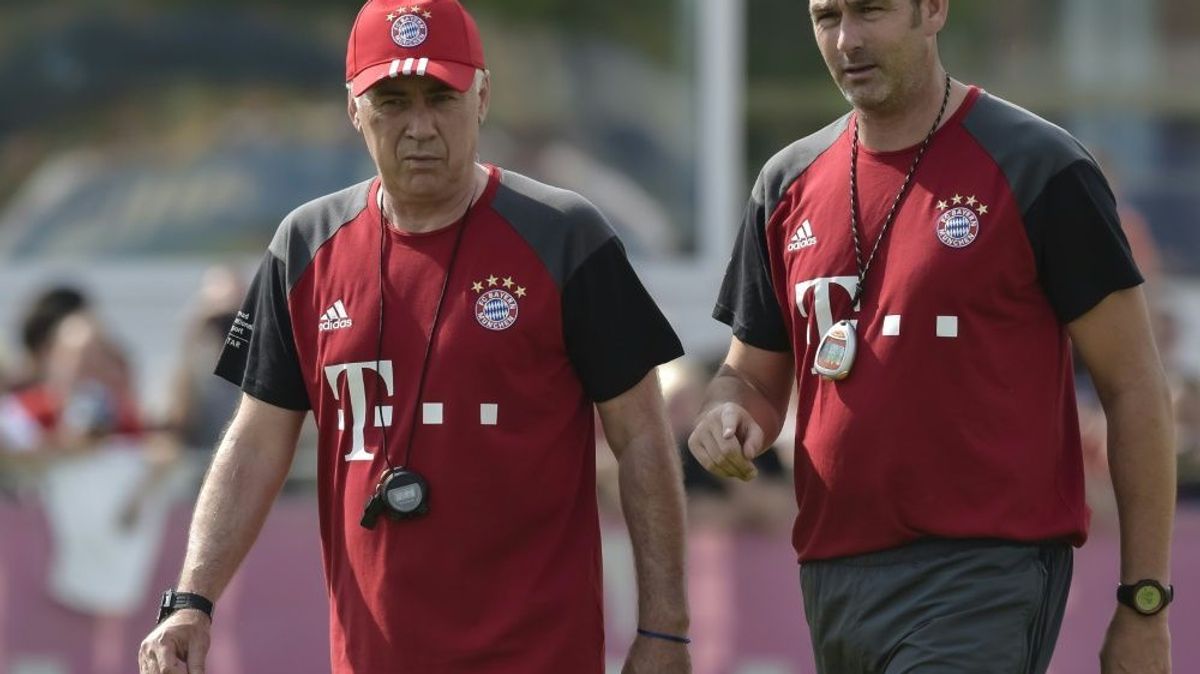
x: 938, y: 606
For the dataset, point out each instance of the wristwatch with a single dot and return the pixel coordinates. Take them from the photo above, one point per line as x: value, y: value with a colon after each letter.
x: 173, y: 601
x: 1147, y: 597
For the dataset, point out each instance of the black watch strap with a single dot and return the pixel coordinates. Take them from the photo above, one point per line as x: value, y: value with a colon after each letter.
x: 1146, y: 596
x: 173, y: 601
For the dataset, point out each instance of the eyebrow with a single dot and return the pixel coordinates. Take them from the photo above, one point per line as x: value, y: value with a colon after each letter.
x: 828, y: 5
x: 821, y: 7
x: 435, y: 87
x: 860, y: 3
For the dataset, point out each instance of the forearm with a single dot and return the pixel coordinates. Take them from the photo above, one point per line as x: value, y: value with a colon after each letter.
x: 732, y: 386
x: 651, y: 483
x: 237, y: 495
x: 1142, y: 462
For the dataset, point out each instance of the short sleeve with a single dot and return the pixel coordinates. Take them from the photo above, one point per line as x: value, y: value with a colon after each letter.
x: 1081, y: 252
x: 747, y: 301
x: 260, y: 352
x: 614, y: 332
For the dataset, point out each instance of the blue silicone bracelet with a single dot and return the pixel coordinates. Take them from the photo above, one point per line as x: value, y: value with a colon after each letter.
x: 665, y: 637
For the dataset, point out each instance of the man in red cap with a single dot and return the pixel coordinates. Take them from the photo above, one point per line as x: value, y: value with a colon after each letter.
x: 451, y: 325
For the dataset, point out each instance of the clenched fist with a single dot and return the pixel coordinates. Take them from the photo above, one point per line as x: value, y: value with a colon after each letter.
x: 177, y: 646
x: 726, y: 441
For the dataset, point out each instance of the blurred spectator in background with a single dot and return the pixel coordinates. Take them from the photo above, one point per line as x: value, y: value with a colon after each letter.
x: 202, y: 404
x: 73, y: 427
x: 74, y: 385
x: 20, y: 430
x: 38, y: 327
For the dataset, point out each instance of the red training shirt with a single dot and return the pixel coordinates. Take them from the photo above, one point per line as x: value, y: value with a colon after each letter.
x: 543, y: 316
x: 958, y: 419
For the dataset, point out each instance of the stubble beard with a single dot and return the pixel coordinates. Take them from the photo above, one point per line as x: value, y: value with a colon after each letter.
x: 889, y: 93
x: 876, y: 97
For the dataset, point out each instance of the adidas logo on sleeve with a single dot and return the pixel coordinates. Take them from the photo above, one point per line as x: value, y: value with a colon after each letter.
x: 802, y: 238
x: 335, y: 318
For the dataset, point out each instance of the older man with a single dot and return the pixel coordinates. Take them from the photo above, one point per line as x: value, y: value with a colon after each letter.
x: 450, y: 325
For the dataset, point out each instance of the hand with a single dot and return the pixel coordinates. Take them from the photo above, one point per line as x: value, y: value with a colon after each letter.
x: 725, y: 441
x: 1136, y: 644
x: 657, y: 656
x: 177, y: 646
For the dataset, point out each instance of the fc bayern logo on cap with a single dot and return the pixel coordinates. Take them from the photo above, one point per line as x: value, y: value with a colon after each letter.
x: 958, y: 227
x: 496, y: 310
x: 409, y: 31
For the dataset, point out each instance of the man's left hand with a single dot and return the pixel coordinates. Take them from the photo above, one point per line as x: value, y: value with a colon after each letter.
x: 657, y: 656
x: 1136, y: 644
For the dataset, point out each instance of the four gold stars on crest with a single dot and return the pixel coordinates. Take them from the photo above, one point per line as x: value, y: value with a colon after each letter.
x: 493, y: 281
x: 401, y: 11
x: 958, y: 199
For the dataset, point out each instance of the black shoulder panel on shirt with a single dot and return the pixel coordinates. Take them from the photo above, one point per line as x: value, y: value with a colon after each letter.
x: 1067, y: 208
x: 308, y: 227
x: 561, y: 226
x: 1028, y: 149
x: 747, y: 301
x: 782, y: 170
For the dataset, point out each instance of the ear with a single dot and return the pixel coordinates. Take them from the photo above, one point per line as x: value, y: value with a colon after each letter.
x: 485, y: 96
x: 352, y: 110
x: 934, y: 14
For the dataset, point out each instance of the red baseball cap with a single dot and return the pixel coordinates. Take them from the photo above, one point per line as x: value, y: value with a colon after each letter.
x: 428, y: 37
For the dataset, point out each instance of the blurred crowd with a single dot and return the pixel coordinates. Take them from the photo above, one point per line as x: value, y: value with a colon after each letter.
x: 71, y: 390
x: 75, y: 442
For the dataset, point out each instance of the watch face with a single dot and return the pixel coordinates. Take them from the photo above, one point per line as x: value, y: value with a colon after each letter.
x: 1147, y: 598
x: 406, y: 498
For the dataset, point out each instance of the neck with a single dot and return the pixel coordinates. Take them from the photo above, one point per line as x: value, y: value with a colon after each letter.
x: 416, y: 217
x: 906, y: 124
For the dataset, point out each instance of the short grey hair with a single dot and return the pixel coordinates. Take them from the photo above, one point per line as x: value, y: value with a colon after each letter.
x: 480, y: 76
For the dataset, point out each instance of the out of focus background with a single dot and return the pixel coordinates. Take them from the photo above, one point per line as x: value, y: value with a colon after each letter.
x: 148, y: 151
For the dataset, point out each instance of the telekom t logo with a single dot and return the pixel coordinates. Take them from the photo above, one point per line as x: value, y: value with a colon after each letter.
x: 357, y: 391
x: 821, y: 306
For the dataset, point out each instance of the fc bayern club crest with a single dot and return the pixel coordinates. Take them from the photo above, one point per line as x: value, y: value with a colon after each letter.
x: 958, y: 225
x: 409, y: 31
x: 496, y: 310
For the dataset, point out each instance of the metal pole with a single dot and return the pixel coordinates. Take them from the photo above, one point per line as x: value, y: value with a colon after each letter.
x: 721, y: 90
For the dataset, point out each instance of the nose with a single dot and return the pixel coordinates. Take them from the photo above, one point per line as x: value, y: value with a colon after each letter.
x: 849, y: 36
x: 420, y: 122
